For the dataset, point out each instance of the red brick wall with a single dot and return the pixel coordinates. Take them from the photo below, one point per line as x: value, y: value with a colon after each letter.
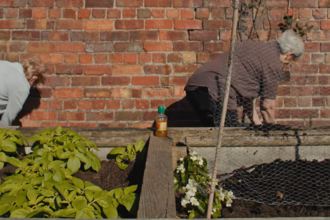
x: 112, y: 62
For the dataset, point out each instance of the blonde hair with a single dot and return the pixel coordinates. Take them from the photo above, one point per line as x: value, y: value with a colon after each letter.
x: 33, y: 67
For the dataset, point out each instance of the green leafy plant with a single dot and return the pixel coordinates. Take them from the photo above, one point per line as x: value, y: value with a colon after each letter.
x: 125, y: 155
x: 298, y: 27
x: 9, y: 139
x: 65, y: 145
x: 193, y: 183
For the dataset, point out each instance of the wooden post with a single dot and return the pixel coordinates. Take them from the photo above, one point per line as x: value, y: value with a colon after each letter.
x: 224, y: 107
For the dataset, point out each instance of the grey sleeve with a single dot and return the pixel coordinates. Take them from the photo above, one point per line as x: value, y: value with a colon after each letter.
x: 15, y: 104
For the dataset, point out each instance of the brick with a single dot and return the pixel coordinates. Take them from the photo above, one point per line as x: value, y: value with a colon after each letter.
x: 290, y: 102
x: 187, y: 14
x: 157, y: 46
x: 5, y: 35
x: 325, y: 25
x: 39, y: 13
x: 129, y: 13
x: 99, y: 13
x: 40, y: 24
x: 158, y: 58
x: 129, y: 24
x: 85, y: 81
x: 42, y: 115
x: 115, y: 81
x: 71, y: 116
x: 70, y: 3
x: 276, y: 4
x: 158, y: 24
x: 70, y: 25
x: 55, y: 35
x: 305, y: 68
x: 41, y: 47
x: 69, y: 69
x: 203, y: 35
x: 84, y: 13
x: 98, y: 47
x: 99, y: 4
x: 144, y: 58
x: 114, y: 13
x: 189, y: 58
x: 312, y: 47
x: 178, y: 91
x: 320, y: 35
x: 128, y: 47
x: 17, y: 47
x: 97, y: 70
x: 306, y: 113
x: 54, y: 13
x: 12, y: 57
x: 57, y: 81
x: 143, y: 13
x: 113, y: 104
x: 84, y: 104
x: 217, y: 24
x: 188, y: 3
x: 85, y: 58
x: 156, y: 92
x: 128, y: 115
x: 70, y: 58
x: 173, y: 35
x: 158, y: 3
x: 145, y: 81
x: 304, y: 91
x: 11, y: 12
x: 318, y: 102
x: 70, y: 47
x: 277, y: 13
x: 325, y: 47
x: 325, y: 91
x: 154, y: 103
x: 174, y: 58
x: 304, y: 101
x: 114, y: 35
x: 98, y: 25
x: 178, y: 81
x: 158, y: 69
x: 324, y: 69
x: 41, y: 3
x: 318, y: 58
x: 324, y: 3
x: 25, y: 13
x: 126, y: 93
x: 172, y: 13
x: 97, y: 93
x: 150, y: 115
x: 143, y: 35
x: 185, y: 69
x: 98, y: 104
x: 60, y: 93
x: 100, y: 58
x: 130, y: 58
x: 25, y: 35
x: 69, y: 104
x: 115, y: 58
x: 13, y: 3
x: 126, y: 69
x: 129, y: 3
x: 184, y: 24
x: 12, y: 24
x: 84, y: 36
x: 202, y: 13
x: 187, y: 46
x: 127, y: 104
x: 319, y: 13
x: 304, y: 13
x: 142, y: 104
x: 203, y: 57
x: 55, y: 104
x: 70, y: 13
x: 1, y: 12
x: 55, y: 58
x: 304, y: 4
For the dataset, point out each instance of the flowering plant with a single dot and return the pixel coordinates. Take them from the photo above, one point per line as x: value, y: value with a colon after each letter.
x: 193, y: 185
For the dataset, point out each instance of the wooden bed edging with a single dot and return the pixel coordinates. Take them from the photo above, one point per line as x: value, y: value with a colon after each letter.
x: 157, y: 198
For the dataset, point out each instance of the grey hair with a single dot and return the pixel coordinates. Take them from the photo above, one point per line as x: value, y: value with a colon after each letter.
x: 289, y: 41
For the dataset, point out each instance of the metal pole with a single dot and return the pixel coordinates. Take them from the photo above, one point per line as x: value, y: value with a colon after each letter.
x: 224, y: 107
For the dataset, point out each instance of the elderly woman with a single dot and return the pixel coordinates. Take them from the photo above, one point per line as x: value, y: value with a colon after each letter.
x: 15, y: 82
x: 256, y: 72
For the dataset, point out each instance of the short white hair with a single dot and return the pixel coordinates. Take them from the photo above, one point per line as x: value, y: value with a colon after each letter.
x: 290, y: 41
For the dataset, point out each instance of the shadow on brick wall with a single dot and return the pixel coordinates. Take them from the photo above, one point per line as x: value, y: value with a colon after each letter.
x: 32, y: 102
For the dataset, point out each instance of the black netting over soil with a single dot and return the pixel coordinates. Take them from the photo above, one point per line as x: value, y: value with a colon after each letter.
x: 283, y: 182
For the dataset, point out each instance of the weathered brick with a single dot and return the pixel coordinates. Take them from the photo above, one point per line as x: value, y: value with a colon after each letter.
x: 129, y: 3
x: 12, y: 24
x: 114, y: 36
x: 143, y: 35
x: 144, y: 58
x: 70, y: 25
x: 85, y: 81
x: 184, y: 24
x: 71, y: 116
x: 115, y: 81
x: 97, y: 70
x: 39, y: 13
x: 276, y: 4
x: 55, y: 80
x: 54, y: 13
x: 143, y: 13
x: 61, y: 93
x: 189, y: 58
x: 188, y: 3
x: 304, y: 13
x: 127, y: 104
x: 158, y: 46
x: 305, y: 4
x: 70, y: 47
x: 99, y: 4
x: 17, y: 47
x: 84, y: 104
x: 55, y: 58
x: 5, y: 36
x: 158, y: 69
x: 69, y: 3
x: 324, y: 3
x: 13, y: 3
x: 325, y: 91
x: 188, y: 46
x: 173, y: 35
x: 42, y: 115
x: 126, y: 93
x: 159, y: 58
x: 115, y: 58
x: 40, y: 24
x: 217, y: 24
x: 156, y: 92
x: 325, y: 25
x: 98, y: 25
x: 128, y: 47
x: 174, y: 58
x: 25, y: 13
x: 185, y: 69
x: 70, y: 58
x: 158, y: 24
x: 222, y: 46
x: 26, y: 35
x: 305, y: 68
x: 98, y: 104
x: 84, y: 13
x: 142, y: 104
x: 129, y: 13
x: 85, y: 58
x: 69, y: 69
x: 97, y: 93
x: 99, y: 13
x: 306, y: 113
x: 130, y: 58
x: 158, y: 3
x: 70, y: 13
x: 114, y: 13
x: 187, y: 14
x: 70, y: 104
x: 172, y: 13
x: 324, y: 69
x: 129, y: 24
x: 84, y: 36
x: 319, y: 13
x: 55, y: 35
x: 41, y: 3
x: 203, y: 35
x: 126, y: 69
x: 154, y: 103
x: 41, y: 47
x: 202, y: 13
x: 98, y: 47
x: 113, y: 104
x: 158, y: 13
x: 145, y: 81
x: 11, y: 12
x: 128, y: 115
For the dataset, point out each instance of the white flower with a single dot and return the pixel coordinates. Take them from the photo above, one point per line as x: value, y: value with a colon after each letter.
x: 193, y: 153
x: 184, y: 202
x: 201, y: 162
x: 229, y: 202
x: 194, y: 201
x: 181, y: 159
x: 221, y: 196
x: 180, y: 168
x: 187, y: 197
x: 193, y: 158
x: 182, y: 190
x: 230, y: 194
x: 190, y: 193
x: 175, y: 181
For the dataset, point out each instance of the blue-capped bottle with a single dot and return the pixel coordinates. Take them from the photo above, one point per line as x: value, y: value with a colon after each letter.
x: 161, y: 123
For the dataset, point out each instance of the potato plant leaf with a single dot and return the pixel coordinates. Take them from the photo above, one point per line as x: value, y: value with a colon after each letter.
x: 127, y: 201
x: 78, y: 182
x: 19, y: 213
x: 9, y: 146
x: 139, y: 145
x: 79, y: 203
x: 130, y: 189
x: 117, y: 150
x: 4, y: 209
x: 74, y: 163
x: 110, y: 212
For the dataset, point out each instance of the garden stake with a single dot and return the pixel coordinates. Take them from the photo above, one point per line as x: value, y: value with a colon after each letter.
x: 224, y: 107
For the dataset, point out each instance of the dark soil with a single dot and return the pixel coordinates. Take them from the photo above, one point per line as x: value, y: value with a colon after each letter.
x: 280, y: 189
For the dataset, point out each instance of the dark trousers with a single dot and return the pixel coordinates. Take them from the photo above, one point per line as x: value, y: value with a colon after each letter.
x: 209, y: 110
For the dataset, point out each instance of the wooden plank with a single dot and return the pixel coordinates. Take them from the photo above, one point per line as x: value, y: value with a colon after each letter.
x: 157, y: 198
